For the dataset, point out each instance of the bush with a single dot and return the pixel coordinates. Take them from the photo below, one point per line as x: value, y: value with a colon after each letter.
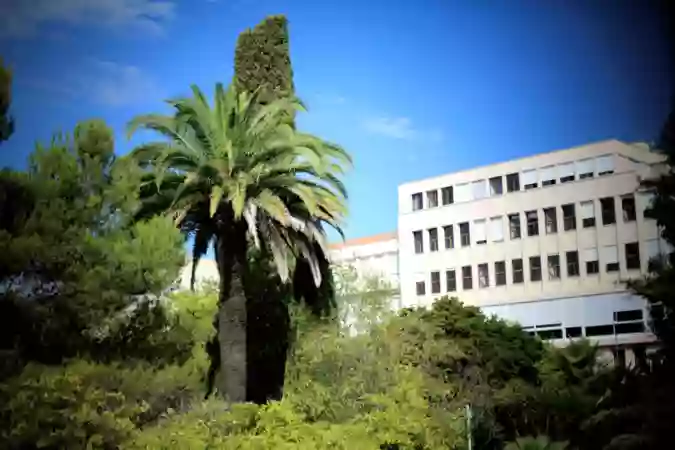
x: 87, y: 405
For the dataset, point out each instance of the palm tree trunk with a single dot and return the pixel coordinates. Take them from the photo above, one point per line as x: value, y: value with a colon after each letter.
x: 231, y: 258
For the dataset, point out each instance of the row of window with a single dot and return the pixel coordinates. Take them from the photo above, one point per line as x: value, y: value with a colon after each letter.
x: 494, y: 228
x: 529, y: 179
x: 625, y: 322
x: 591, y: 259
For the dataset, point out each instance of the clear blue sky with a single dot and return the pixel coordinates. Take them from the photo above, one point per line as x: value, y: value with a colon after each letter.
x: 411, y: 89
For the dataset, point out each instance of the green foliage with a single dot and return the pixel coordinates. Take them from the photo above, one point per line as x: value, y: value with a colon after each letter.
x: 535, y: 443
x: 86, y: 405
x: 6, y: 121
x: 262, y: 60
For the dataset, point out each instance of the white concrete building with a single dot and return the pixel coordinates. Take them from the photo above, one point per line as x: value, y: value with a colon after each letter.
x: 544, y: 240
x: 375, y: 256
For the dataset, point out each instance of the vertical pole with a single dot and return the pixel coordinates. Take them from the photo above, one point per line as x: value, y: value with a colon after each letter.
x: 469, y: 437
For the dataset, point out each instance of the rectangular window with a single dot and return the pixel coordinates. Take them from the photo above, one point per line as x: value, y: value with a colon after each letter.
x: 610, y: 256
x: 572, y: 259
x: 607, y: 211
x: 420, y: 288
x: 632, y: 256
x: 569, y: 217
x: 517, y: 267
x: 433, y: 239
x: 591, y: 261
x: 604, y: 165
x: 646, y: 202
x: 462, y: 193
x: 435, y: 282
x: 483, y: 276
x: 514, y: 226
x: 512, y: 182
x: 551, y: 220
x: 446, y: 195
x: 553, y: 267
x: 566, y: 172
x: 467, y: 281
x: 448, y: 237
x: 479, y: 231
x: 417, y: 201
x: 573, y: 332
x: 496, y: 229
x: 464, y: 234
x: 500, y: 273
x: 587, y: 214
x: 479, y: 189
x: 450, y: 280
x: 547, y: 175
x: 628, y: 208
x: 585, y: 168
x: 535, y: 268
x: 654, y: 256
x: 532, y: 223
x: 419, y: 243
x: 432, y: 199
x: 630, y: 315
x: 529, y: 179
x: 496, y: 187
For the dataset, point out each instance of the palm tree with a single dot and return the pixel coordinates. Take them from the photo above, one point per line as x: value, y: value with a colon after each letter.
x: 235, y: 174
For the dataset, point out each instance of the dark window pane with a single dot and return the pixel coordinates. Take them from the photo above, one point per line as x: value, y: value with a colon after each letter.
x: 550, y: 334
x: 517, y: 266
x: 535, y: 268
x: 512, y: 182
x: 592, y: 267
x: 435, y: 282
x: 417, y: 201
x: 467, y: 280
x: 630, y: 327
x: 450, y: 281
x: 627, y: 316
x: 500, y: 273
x: 572, y: 263
x: 573, y: 332
x: 600, y: 330
x: 607, y: 210
x: 419, y: 287
x: 447, y: 195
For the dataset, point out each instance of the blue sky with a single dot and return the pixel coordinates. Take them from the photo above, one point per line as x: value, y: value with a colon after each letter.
x: 411, y: 89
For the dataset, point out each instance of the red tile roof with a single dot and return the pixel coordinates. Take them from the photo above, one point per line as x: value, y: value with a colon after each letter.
x: 364, y: 240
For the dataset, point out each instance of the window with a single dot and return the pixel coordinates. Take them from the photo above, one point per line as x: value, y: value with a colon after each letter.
x: 535, y: 268
x: 553, y: 267
x: 607, y: 211
x: 632, y: 256
x: 483, y: 276
x: 573, y: 332
x: 419, y: 244
x: 628, y: 208
x: 462, y: 193
x: 496, y: 187
x: 604, y: 165
x: 566, y: 172
x: 610, y: 256
x: 512, y: 182
x: 587, y: 214
x: 479, y: 189
x: 647, y: 199
x: 464, y: 234
x: 433, y: 239
x: 628, y: 315
x: 514, y: 226
x: 532, y: 223
x: 417, y: 201
x: 500, y: 273
x: 432, y: 199
x: 654, y: 256
x: 496, y: 229
x: 446, y: 195
x: 572, y: 259
x: 569, y: 217
x: 585, y: 168
x: 591, y: 260
x: 479, y: 231
x: 547, y: 175
x: 450, y: 280
x: 467, y: 282
x: 420, y: 288
x: 517, y: 268
x: 550, y: 220
x: 529, y: 178
x: 600, y: 330
x: 435, y: 282
x: 448, y: 237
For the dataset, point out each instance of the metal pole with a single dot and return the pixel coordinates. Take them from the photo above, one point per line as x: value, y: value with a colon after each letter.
x: 469, y: 437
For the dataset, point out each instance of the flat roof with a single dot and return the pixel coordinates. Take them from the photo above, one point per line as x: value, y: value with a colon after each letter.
x: 364, y: 240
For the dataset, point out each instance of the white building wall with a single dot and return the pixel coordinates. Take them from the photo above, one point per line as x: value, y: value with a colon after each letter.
x: 626, y: 164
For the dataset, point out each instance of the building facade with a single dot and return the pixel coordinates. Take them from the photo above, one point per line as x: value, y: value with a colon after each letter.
x: 372, y: 256
x: 545, y: 241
